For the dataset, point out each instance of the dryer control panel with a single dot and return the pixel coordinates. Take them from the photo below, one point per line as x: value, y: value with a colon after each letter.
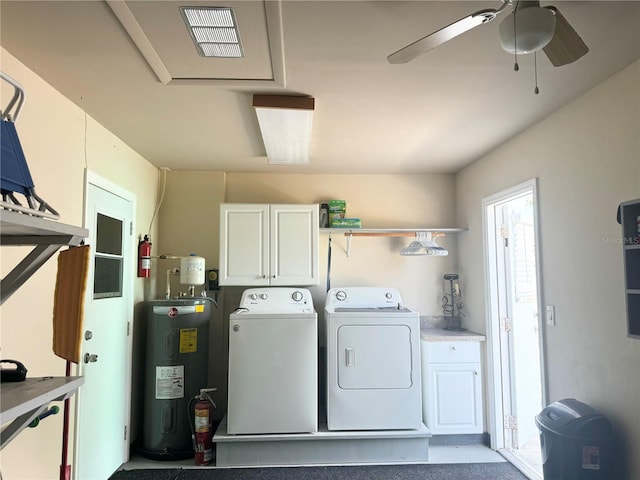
x: 364, y: 297
x: 277, y: 300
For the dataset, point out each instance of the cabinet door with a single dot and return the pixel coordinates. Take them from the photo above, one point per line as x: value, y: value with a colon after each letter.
x: 244, y: 244
x: 294, y: 245
x: 454, y: 398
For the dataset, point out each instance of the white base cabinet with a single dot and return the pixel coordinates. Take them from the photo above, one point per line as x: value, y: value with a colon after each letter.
x: 452, y: 387
x: 275, y: 245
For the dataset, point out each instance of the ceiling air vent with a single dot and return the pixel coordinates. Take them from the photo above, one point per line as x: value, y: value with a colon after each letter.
x: 214, y: 31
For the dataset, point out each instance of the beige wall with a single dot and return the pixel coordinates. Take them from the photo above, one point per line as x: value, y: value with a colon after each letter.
x: 59, y: 141
x: 189, y: 216
x: 587, y: 159
x: 191, y: 208
x: 380, y: 201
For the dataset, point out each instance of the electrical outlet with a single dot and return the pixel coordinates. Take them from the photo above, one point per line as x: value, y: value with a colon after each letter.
x: 551, y: 315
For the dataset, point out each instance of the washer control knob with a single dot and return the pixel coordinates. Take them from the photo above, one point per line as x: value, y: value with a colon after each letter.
x: 388, y: 295
x: 297, y: 296
x: 263, y: 296
x: 253, y: 296
x: 341, y: 295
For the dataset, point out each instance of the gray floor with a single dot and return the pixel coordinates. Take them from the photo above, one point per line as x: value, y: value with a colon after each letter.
x: 468, y: 471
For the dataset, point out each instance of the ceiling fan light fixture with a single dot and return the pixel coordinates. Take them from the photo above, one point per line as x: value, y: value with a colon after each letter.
x: 527, y: 30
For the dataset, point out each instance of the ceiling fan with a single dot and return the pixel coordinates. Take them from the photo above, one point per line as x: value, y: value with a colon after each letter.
x: 528, y: 28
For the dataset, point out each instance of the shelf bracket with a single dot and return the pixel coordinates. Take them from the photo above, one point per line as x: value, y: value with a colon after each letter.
x: 25, y: 269
x: 19, y: 424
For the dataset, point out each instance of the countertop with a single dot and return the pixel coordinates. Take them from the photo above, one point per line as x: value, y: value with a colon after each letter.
x: 442, y: 335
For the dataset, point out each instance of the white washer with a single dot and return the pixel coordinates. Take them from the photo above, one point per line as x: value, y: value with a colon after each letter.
x: 373, y: 360
x: 273, y: 363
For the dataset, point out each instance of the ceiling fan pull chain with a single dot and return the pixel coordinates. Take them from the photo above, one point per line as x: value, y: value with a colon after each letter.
x: 535, y: 69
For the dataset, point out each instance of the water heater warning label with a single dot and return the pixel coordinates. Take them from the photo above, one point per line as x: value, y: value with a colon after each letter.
x: 188, y: 340
x: 170, y: 382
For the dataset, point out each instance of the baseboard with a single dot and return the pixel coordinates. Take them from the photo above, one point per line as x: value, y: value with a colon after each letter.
x: 462, y: 439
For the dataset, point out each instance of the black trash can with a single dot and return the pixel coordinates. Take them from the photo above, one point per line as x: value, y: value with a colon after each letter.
x: 576, y: 442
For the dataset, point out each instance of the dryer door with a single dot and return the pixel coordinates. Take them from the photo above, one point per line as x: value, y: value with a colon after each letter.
x: 374, y: 357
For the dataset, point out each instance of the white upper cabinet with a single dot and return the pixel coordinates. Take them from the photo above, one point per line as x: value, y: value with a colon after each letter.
x: 263, y: 244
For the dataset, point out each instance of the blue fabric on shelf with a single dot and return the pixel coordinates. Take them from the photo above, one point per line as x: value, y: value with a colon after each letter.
x: 14, y: 172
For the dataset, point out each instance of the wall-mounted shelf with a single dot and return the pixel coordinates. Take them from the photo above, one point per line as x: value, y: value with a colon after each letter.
x: 386, y: 232
x: 24, y: 401
x: 47, y: 236
x: 21, y: 402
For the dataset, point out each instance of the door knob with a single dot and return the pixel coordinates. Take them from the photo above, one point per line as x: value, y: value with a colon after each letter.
x: 90, y: 357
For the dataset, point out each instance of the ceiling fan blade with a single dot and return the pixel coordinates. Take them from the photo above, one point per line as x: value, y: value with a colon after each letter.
x: 443, y: 35
x: 566, y: 46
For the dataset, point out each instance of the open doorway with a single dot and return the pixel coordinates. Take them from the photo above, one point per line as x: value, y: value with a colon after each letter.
x: 514, y: 305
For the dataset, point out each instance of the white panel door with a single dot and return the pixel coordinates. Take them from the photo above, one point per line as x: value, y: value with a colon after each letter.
x: 374, y: 357
x: 102, y: 403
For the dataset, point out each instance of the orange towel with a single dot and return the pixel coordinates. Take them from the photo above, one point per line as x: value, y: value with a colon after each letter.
x: 68, y: 305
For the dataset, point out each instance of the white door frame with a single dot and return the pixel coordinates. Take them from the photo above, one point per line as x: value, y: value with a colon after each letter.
x: 494, y: 380
x: 127, y: 288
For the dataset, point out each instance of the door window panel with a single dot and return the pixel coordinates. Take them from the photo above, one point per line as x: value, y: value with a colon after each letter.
x: 108, y: 235
x: 107, y: 281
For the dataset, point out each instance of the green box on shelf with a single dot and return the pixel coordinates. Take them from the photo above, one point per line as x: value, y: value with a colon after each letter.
x: 337, y: 206
x: 346, y: 223
x: 335, y: 216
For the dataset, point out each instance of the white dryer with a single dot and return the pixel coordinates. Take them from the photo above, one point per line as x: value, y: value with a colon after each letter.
x: 373, y: 360
x: 273, y: 363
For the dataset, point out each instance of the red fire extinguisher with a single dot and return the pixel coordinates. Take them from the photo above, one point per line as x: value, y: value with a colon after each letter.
x: 202, y: 431
x: 144, y: 257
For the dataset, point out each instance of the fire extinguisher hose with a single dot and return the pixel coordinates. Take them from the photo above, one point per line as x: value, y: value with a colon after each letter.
x: 190, y: 416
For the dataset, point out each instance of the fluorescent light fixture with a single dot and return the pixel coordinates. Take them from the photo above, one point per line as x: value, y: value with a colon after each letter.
x: 423, y: 245
x: 214, y: 31
x: 285, y: 124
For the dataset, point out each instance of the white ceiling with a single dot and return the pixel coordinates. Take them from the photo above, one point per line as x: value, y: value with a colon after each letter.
x: 437, y: 113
